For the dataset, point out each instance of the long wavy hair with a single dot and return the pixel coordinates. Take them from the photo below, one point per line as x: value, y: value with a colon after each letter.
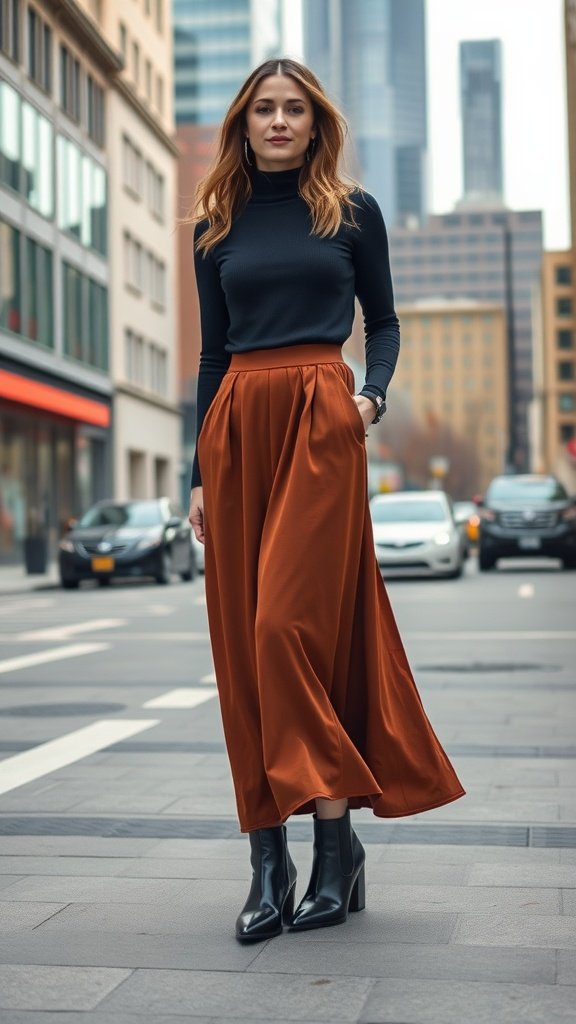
x: 227, y: 186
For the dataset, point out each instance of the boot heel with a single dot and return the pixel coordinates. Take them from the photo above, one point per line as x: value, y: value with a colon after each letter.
x: 358, y: 895
x: 288, y: 908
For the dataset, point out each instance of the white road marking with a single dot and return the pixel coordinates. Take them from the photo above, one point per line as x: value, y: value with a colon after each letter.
x: 65, y: 632
x: 526, y: 590
x: 48, y: 757
x: 190, y: 697
x: 29, y: 605
x: 210, y: 678
x: 197, y: 638
x: 43, y: 657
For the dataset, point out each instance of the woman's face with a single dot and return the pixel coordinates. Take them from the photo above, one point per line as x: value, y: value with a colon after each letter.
x: 279, y: 124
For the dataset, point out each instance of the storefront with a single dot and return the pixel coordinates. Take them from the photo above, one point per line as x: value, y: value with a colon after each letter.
x: 54, y: 461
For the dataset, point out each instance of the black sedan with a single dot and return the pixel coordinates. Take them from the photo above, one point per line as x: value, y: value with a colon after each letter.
x: 127, y: 538
x: 526, y: 516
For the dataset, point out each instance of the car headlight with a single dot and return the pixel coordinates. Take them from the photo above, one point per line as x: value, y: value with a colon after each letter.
x: 148, y: 542
x: 442, y: 538
x: 66, y: 545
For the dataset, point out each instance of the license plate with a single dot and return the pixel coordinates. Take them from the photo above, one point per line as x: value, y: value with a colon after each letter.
x: 104, y: 564
x: 529, y: 543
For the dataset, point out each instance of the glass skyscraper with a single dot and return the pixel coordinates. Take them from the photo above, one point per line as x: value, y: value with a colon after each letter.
x: 481, y: 101
x: 370, y: 56
x: 216, y: 44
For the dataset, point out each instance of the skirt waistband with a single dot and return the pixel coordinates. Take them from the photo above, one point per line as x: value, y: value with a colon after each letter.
x: 287, y: 355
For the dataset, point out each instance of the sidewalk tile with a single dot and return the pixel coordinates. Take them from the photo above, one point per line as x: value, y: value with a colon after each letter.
x: 68, y: 889
x: 397, y: 899
x: 566, y: 967
x: 28, y: 987
x: 537, y: 875
x: 453, y: 1002
x: 509, y: 929
x: 244, y: 996
x: 382, y: 960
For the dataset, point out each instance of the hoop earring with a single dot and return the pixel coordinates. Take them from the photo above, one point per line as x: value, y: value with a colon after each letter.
x: 248, y: 160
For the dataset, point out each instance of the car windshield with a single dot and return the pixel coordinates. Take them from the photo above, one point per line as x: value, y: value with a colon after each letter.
x: 397, y: 511
x: 526, y: 491
x: 138, y: 513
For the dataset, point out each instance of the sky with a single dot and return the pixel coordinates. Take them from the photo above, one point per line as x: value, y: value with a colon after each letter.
x: 534, y: 101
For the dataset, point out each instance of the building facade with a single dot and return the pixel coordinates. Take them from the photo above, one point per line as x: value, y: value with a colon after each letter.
x: 490, y: 256
x: 371, y: 57
x: 55, y: 383
x: 554, y: 426
x: 142, y: 156
x: 481, y: 111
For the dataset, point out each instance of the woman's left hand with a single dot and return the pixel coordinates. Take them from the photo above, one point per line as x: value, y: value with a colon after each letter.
x: 366, y: 409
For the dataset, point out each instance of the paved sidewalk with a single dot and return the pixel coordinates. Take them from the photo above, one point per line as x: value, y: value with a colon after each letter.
x: 15, y: 580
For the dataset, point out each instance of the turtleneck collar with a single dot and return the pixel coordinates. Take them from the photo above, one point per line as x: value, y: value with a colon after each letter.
x: 271, y: 186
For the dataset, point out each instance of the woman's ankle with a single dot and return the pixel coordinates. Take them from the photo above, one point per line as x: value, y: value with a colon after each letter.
x: 327, y: 810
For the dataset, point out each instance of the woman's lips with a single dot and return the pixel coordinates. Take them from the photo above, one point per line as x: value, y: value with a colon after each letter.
x: 279, y: 142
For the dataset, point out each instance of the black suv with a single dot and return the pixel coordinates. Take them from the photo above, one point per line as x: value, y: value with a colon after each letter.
x: 524, y: 516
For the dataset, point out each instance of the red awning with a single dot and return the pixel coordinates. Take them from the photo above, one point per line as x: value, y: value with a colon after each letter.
x: 45, y: 396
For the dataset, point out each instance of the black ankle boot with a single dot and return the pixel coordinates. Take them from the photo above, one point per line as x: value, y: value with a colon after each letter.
x: 337, y: 881
x: 270, y: 902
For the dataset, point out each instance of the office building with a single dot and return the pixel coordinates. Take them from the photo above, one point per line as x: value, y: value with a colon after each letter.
x: 371, y: 58
x: 481, y: 111
x: 452, y: 379
x: 490, y: 256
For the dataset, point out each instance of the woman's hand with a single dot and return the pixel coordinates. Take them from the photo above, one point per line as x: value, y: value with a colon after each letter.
x: 196, y: 513
x: 366, y: 409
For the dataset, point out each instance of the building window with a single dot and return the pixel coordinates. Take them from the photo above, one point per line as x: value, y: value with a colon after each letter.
x: 70, y: 83
x: 95, y: 101
x: 155, y: 187
x: 133, y: 263
x: 85, y: 318
x: 123, y: 39
x: 565, y: 339
x: 148, y: 80
x: 159, y: 15
x: 132, y: 166
x: 82, y: 196
x: 26, y: 304
x: 158, y: 367
x: 563, y: 307
x: 563, y: 275
x: 39, y: 50
x: 565, y: 370
x: 158, y: 283
x: 134, y: 355
x: 26, y: 151
x: 136, y: 63
x: 567, y: 432
x: 160, y: 94
x: 10, y: 28
x: 566, y: 403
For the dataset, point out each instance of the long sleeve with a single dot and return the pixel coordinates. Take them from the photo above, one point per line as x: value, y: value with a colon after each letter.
x: 214, y: 324
x: 374, y: 291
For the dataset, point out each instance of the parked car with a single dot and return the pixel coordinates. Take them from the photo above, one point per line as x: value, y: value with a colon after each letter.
x: 526, y: 515
x: 415, y: 532
x: 127, y: 538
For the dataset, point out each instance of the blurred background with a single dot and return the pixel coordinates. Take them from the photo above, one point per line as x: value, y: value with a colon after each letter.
x: 463, y: 125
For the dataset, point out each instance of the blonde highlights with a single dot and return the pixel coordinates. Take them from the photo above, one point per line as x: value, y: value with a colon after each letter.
x: 224, y: 190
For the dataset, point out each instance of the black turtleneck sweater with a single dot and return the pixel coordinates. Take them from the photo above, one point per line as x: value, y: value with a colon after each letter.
x: 272, y: 283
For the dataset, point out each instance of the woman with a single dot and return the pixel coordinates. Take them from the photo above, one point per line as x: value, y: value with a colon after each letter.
x: 319, y: 708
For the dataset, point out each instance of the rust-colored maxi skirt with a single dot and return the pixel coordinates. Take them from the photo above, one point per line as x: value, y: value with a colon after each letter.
x: 316, y: 694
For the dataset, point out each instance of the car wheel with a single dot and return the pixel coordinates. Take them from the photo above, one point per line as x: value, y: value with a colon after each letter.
x: 569, y: 563
x: 485, y: 562
x: 190, y: 573
x: 165, y: 573
x: 70, y: 584
x: 456, y: 573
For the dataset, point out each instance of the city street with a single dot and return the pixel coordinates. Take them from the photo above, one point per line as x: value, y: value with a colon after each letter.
x: 123, y: 869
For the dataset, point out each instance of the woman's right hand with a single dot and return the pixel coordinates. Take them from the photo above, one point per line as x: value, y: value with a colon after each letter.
x: 196, y: 513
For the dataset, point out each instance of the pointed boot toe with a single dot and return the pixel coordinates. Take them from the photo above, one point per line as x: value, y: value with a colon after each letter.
x: 270, y: 903
x: 337, y: 882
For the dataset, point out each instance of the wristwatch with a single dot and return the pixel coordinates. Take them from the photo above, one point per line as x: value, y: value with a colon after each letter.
x: 378, y: 402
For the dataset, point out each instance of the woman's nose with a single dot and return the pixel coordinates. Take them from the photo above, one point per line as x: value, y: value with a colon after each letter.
x: 279, y: 120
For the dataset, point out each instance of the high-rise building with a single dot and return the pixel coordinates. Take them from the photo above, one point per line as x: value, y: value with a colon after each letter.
x: 481, y: 109
x: 216, y: 44
x: 487, y: 255
x: 370, y: 56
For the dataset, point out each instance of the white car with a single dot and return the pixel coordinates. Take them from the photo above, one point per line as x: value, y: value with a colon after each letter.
x: 415, y: 533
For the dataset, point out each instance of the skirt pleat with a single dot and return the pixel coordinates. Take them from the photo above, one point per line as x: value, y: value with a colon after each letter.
x: 316, y: 693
